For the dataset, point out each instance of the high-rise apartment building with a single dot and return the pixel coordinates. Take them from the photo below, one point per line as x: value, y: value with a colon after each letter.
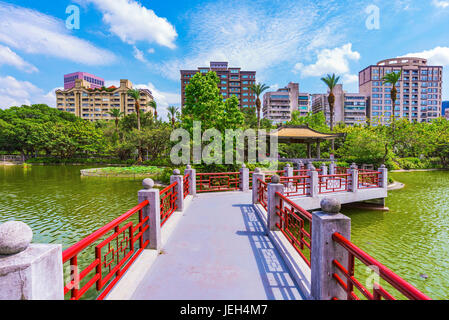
x: 279, y: 105
x: 419, y: 90
x: 94, y: 81
x: 349, y: 108
x: 233, y: 82
x: 93, y: 104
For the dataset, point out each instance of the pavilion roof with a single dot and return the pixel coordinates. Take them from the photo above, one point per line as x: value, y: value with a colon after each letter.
x: 303, y: 133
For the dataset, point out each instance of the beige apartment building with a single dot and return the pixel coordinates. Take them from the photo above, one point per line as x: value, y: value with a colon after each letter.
x: 349, y: 108
x: 419, y: 90
x: 279, y: 105
x: 95, y: 104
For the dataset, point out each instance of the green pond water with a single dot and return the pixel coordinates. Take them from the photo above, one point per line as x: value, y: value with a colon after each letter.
x: 412, y: 238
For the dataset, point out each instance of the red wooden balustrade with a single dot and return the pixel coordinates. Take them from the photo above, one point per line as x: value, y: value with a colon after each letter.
x: 384, y: 273
x: 331, y: 183
x: 369, y: 179
x: 168, y: 205
x: 186, y: 185
x: 113, y: 249
x: 296, y: 186
x: 262, y: 193
x: 213, y: 182
x: 296, y: 225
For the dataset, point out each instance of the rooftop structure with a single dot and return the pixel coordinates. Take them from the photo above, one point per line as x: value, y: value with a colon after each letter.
x: 233, y: 82
x: 93, y: 81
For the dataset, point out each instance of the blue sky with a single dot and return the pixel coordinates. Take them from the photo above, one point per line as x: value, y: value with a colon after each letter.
x: 148, y: 42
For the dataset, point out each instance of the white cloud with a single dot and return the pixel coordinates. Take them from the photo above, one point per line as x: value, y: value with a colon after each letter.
x: 9, y: 57
x: 255, y: 37
x: 348, y: 79
x: 330, y: 61
x: 435, y: 56
x: 14, y: 92
x: 132, y: 22
x: 36, y: 33
x: 442, y: 4
x: 151, y: 50
x: 138, y: 54
x: 162, y: 98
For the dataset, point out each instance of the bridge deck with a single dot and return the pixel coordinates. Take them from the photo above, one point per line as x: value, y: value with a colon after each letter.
x: 219, y: 250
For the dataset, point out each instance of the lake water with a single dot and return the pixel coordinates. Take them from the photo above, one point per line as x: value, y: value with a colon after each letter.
x: 412, y: 238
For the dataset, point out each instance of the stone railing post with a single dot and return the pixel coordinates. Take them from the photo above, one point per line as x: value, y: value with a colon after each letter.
x: 288, y: 171
x: 258, y: 174
x: 28, y: 271
x: 332, y: 168
x: 324, y: 250
x: 244, y: 178
x: 383, y: 176
x: 153, y: 212
x: 192, y: 180
x: 177, y: 177
x: 273, y: 187
x: 323, y: 169
x: 310, y: 165
x: 354, y: 178
x: 313, y: 181
x: 299, y: 165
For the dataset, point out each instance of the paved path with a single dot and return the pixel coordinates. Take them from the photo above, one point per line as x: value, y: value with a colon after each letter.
x: 219, y: 250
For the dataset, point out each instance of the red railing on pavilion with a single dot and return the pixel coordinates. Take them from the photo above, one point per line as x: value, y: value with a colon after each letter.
x: 333, y: 183
x: 212, y: 182
x: 369, y: 179
x: 262, y: 191
x: 379, y: 293
x: 168, y: 198
x: 113, y: 248
x: 296, y: 225
x: 186, y: 185
x: 341, y: 170
x: 296, y: 186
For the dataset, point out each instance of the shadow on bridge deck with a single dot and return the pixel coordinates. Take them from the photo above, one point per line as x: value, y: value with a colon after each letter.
x: 219, y: 250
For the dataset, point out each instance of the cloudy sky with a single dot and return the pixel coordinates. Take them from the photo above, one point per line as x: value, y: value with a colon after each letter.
x: 148, y: 42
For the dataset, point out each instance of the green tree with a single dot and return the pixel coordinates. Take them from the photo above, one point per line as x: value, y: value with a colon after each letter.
x: 392, y: 79
x: 153, y: 105
x: 172, y: 112
x: 135, y: 94
x: 257, y: 90
x: 117, y: 114
x: 331, y: 82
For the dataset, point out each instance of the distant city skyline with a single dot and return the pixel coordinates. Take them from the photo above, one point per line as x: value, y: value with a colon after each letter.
x: 150, y: 42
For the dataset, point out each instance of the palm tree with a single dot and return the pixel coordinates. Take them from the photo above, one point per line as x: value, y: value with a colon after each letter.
x: 331, y: 82
x: 153, y: 104
x: 135, y: 94
x: 117, y: 114
x: 172, y: 111
x: 258, y: 89
x: 393, y: 78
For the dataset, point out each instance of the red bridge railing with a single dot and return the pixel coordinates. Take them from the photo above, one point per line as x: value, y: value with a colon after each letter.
x: 296, y: 225
x: 262, y: 193
x: 213, y: 182
x: 113, y: 249
x: 333, y: 183
x: 186, y: 185
x: 168, y: 198
x: 386, y: 274
x: 296, y: 186
x: 369, y: 179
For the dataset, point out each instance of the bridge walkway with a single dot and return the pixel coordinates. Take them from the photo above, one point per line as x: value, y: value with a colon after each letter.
x: 219, y: 250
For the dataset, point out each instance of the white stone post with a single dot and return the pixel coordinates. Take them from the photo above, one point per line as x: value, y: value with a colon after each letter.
x: 299, y: 165
x: 383, y: 176
x: 177, y: 177
x: 258, y: 174
x: 310, y: 165
x: 272, y: 201
x: 244, y: 178
x: 153, y: 212
x: 332, y: 168
x: 313, y: 181
x: 288, y: 171
x: 324, y: 250
x: 354, y: 178
x: 28, y: 271
x: 192, y: 180
x: 323, y: 169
